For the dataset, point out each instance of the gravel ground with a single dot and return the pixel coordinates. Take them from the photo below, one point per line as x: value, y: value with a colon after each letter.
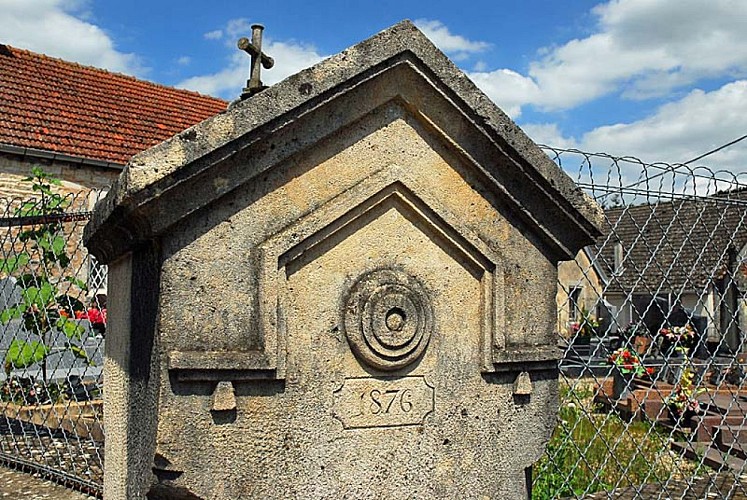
x: 19, y: 485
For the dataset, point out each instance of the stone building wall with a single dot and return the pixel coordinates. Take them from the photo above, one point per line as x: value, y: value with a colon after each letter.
x: 75, y: 177
x: 577, y: 274
x: 82, y: 185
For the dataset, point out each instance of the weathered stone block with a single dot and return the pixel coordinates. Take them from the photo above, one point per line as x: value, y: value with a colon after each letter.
x: 350, y: 288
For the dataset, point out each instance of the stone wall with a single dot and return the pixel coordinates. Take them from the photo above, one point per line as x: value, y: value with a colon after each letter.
x: 76, y: 177
x: 578, y: 273
x: 82, y: 185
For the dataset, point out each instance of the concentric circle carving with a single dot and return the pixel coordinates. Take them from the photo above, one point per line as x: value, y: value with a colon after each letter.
x: 388, y: 319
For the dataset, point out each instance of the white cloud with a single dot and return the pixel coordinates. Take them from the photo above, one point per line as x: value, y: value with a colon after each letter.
x: 456, y: 46
x: 184, y: 61
x: 508, y: 89
x: 684, y: 129
x: 676, y: 132
x: 639, y: 49
x: 548, y: 134
x: 236, y: 28
x: 57, y: 28
x: 213, y: 35
x: 290, y: 58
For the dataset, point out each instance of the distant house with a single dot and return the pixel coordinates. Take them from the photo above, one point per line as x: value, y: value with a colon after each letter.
x: 81, y: 124
x: 686, y: 253
x: 581, y: 285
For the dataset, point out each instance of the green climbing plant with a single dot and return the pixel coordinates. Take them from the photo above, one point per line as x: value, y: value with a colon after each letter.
x: 40, y: 273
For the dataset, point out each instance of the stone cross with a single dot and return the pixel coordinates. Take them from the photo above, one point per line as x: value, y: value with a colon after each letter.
x: 254, y: 49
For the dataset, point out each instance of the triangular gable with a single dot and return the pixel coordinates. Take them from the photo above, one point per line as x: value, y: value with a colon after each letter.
x: 397, y: 64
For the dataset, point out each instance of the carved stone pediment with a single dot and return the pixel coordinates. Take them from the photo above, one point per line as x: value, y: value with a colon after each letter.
x: 352, y: 271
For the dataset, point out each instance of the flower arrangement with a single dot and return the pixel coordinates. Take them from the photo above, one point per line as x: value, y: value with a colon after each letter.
x: 92, y: 314
x: 682, y: 401
x: 96, y: 316
x: 586, y: 326
x: 680, y: 334
x: 628, y: 361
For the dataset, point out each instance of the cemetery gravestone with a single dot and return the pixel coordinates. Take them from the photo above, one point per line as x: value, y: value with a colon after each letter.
x: 342, y: 286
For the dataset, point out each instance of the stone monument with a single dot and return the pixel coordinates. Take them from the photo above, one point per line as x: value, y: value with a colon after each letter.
x: 341, y: 287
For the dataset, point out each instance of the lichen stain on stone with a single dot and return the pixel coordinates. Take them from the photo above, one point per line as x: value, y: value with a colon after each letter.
x: 172, y: 156
x: 222, y: 128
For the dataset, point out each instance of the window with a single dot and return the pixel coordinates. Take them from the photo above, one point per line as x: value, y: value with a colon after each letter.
x: 97, y: 276
x: 574, y: 306
x: 97, y: 272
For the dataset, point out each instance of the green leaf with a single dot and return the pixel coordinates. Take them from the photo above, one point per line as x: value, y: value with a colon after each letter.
x: 22, y: 354
x: 48, y: 291
x: 30, y: 295
x: 12, y: 313
x: 70, y: 328
x: 57, y: 203
x: 44, y: 240
x: 80, y: 353
x: 11, y: 264
x: 42, y: 188
x: 29, y: 209
x: 39, y: 296
x: 58, y: 245
x: 39, y: 176
x: 79, y: 283
x: 34, y: 234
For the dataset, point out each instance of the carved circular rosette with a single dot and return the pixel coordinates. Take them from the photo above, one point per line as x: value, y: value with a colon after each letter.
x: 388, y: 319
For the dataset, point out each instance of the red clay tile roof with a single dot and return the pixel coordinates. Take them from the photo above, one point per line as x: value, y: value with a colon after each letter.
x: 59, y: 106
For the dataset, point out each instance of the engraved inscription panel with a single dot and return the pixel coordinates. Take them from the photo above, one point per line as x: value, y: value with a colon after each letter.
x: 383, y: 402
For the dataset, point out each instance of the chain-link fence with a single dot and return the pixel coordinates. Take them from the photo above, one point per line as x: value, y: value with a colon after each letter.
x: 653, y: 319
x: 53, y: 321
x: 653, y: 399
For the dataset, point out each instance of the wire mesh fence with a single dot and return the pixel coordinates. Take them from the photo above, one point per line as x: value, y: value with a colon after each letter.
x: 653, y: 318
x: 52, y: 321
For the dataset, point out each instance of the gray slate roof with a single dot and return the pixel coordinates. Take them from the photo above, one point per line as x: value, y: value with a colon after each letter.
x: 676, y: 246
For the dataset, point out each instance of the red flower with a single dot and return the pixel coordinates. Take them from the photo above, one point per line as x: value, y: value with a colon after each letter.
x: 95, y: 316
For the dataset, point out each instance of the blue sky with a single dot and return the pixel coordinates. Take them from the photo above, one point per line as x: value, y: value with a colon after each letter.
x: 661, y: 80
